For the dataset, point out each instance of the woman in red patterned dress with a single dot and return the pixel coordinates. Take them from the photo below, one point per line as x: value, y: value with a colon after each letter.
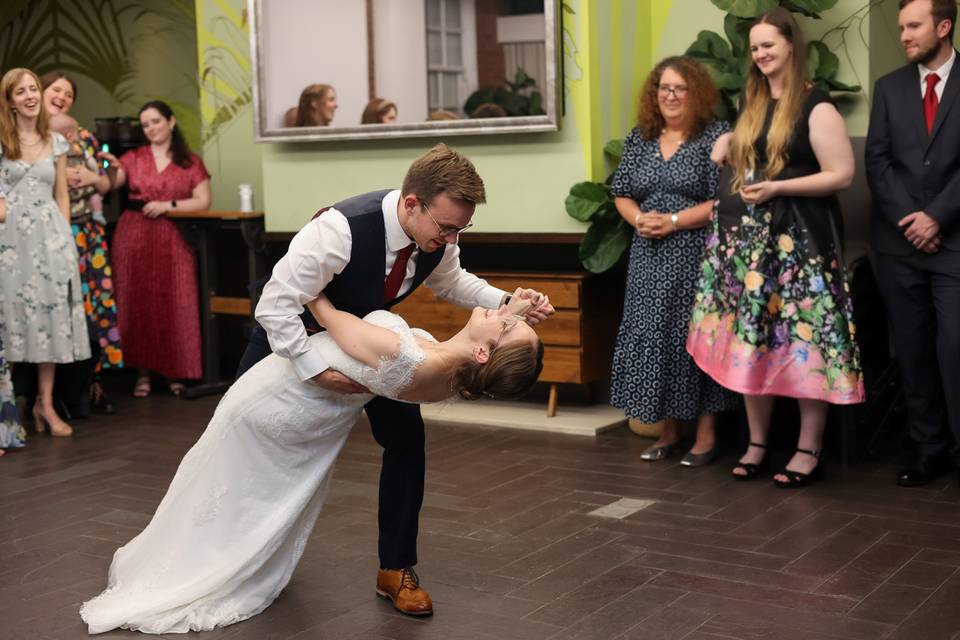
x: 155, y: 269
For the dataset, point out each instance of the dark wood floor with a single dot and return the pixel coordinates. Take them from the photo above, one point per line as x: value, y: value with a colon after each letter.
x: 507, y: 548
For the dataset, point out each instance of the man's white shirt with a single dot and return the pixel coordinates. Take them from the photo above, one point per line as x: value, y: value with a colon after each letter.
x: 321, y: 250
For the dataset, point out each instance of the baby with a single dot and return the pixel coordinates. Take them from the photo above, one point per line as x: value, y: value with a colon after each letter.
x: 85, y: 202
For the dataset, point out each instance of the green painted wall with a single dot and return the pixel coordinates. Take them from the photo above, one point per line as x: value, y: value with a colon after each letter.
x: 226, y: 102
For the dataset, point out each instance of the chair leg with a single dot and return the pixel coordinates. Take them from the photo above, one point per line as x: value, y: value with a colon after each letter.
x: 552, y: 401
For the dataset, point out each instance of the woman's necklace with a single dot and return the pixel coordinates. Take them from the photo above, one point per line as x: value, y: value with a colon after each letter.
x: 30, y: 144
x: 665, y: 137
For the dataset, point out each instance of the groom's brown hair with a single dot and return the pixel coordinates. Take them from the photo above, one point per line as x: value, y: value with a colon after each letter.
x: 443, y: 170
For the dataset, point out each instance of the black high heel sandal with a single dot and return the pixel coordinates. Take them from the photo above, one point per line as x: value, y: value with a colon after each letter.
x: 751, y: 470
x: 796, y: 479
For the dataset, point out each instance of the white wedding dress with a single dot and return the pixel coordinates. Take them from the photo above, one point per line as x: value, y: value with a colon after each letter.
x: 234, y: 522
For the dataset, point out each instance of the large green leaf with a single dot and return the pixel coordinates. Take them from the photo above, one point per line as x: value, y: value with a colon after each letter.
x: 835, y: 85
x: 827, y: 63
x: 614, y: 148
x: 585, y: 199
x: 715, y: 54
x: 604, y: 244
x: 737, y: 31
x: 745, y: 8
x: 810, y: 8
x: 710, y: 46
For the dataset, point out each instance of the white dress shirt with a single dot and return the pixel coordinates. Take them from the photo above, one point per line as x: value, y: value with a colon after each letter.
x: 943, y: 73
x: 321, y: 250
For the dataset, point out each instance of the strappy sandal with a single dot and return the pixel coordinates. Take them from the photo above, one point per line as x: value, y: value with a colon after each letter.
x: 796, y: 479
x: 176, y: 388
x: 750, y: 470
x: 142, y: 388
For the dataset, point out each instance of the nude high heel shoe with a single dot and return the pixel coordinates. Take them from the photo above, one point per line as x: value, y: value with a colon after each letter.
x: 58, y: 427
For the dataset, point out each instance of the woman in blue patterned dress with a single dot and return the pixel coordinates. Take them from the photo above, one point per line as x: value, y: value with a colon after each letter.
x: 664, y: 188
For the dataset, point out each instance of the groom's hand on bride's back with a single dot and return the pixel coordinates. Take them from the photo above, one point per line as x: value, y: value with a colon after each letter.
x: 336, y: 381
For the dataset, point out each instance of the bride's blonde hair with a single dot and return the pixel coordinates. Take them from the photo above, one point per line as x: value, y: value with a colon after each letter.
x: 756, y: 100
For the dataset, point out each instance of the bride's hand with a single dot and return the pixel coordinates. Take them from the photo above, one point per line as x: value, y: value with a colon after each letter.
x: 541, y: 307
x: 337, y: 382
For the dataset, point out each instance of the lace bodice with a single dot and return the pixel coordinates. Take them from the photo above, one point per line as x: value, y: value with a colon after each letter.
x: 393, y: 375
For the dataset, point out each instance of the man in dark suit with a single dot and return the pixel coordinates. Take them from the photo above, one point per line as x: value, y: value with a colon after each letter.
x: 913, y: 165
x: 370, y: 252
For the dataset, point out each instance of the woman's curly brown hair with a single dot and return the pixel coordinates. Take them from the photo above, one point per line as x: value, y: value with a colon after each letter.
x: 702, y: 96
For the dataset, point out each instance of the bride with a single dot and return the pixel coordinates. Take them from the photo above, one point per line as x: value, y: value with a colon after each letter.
x: 237, y: 515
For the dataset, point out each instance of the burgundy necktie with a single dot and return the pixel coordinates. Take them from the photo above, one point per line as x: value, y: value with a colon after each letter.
x: 391, y: 285
x: 930, y: 102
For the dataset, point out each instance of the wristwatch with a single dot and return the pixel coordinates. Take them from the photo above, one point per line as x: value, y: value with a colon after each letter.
x: 675, y: 221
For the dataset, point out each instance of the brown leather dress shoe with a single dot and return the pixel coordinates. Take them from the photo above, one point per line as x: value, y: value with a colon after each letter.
x: 402, y: 587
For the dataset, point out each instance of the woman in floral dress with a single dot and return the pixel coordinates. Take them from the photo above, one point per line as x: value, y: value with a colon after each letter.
x: 12, y: 434
x: 772, y: 316
x: 41, y: 305
x: 90, y: 236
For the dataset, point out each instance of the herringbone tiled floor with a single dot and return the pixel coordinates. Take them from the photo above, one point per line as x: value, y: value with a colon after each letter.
x: 507, y: 549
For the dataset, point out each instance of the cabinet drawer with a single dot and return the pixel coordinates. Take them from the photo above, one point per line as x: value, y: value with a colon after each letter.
x: 442, y: 319
x: 561, y: 364
x: 563, y: 294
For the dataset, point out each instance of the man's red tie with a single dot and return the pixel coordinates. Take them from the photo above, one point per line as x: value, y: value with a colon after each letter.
x: 391, y: 286
x: 930, y: 102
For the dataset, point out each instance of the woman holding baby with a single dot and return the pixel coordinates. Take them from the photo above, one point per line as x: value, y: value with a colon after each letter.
x: 80, y: 388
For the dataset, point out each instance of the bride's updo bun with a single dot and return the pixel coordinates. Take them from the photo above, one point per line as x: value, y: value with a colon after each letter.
x: 509, y: 374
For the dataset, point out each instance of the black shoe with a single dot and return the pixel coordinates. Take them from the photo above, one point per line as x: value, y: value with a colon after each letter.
x: 925, y: 470
x: 750, y: 470
x: 796, y: 479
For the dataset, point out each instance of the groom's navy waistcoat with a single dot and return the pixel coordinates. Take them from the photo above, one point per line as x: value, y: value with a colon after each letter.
x: 358, y: 289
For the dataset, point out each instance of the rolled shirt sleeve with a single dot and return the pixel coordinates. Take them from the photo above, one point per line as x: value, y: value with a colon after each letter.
x: 316, y: 254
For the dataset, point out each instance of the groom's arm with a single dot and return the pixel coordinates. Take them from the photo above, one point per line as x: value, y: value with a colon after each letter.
x: 318, y: 252
x: 453, y: 283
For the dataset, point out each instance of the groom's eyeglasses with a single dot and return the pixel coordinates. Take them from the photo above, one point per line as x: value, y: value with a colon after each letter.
x: 444, y: 232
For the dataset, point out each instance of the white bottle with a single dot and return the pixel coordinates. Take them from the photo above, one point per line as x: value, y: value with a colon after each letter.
x: 246, y: 197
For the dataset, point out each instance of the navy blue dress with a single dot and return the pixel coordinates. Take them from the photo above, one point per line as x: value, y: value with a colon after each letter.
x: 653, y: 376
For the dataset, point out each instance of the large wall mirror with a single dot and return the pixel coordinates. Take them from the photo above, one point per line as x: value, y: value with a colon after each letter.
x: 353, y: 69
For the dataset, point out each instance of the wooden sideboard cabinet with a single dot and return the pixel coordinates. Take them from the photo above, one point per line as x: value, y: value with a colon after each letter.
x: 578, y: 339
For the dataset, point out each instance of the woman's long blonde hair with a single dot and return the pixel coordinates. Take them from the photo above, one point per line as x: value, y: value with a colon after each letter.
x: 756, y: 100
x: 9, y: 139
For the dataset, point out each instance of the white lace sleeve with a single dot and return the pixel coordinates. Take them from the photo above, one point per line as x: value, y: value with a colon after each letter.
x: 393, y: 374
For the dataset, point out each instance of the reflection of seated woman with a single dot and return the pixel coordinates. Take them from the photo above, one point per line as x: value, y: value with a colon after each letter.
x: 255, y: 481
x: 318, y: 104
x: 379, y: 111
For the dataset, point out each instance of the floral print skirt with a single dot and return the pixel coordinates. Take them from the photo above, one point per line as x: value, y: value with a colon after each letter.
x: 96, y: 280
x: 772, y: 313
x: 12, y: 433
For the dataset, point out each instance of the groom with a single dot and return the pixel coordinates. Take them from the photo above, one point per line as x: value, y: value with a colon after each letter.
x: 370, y: 252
